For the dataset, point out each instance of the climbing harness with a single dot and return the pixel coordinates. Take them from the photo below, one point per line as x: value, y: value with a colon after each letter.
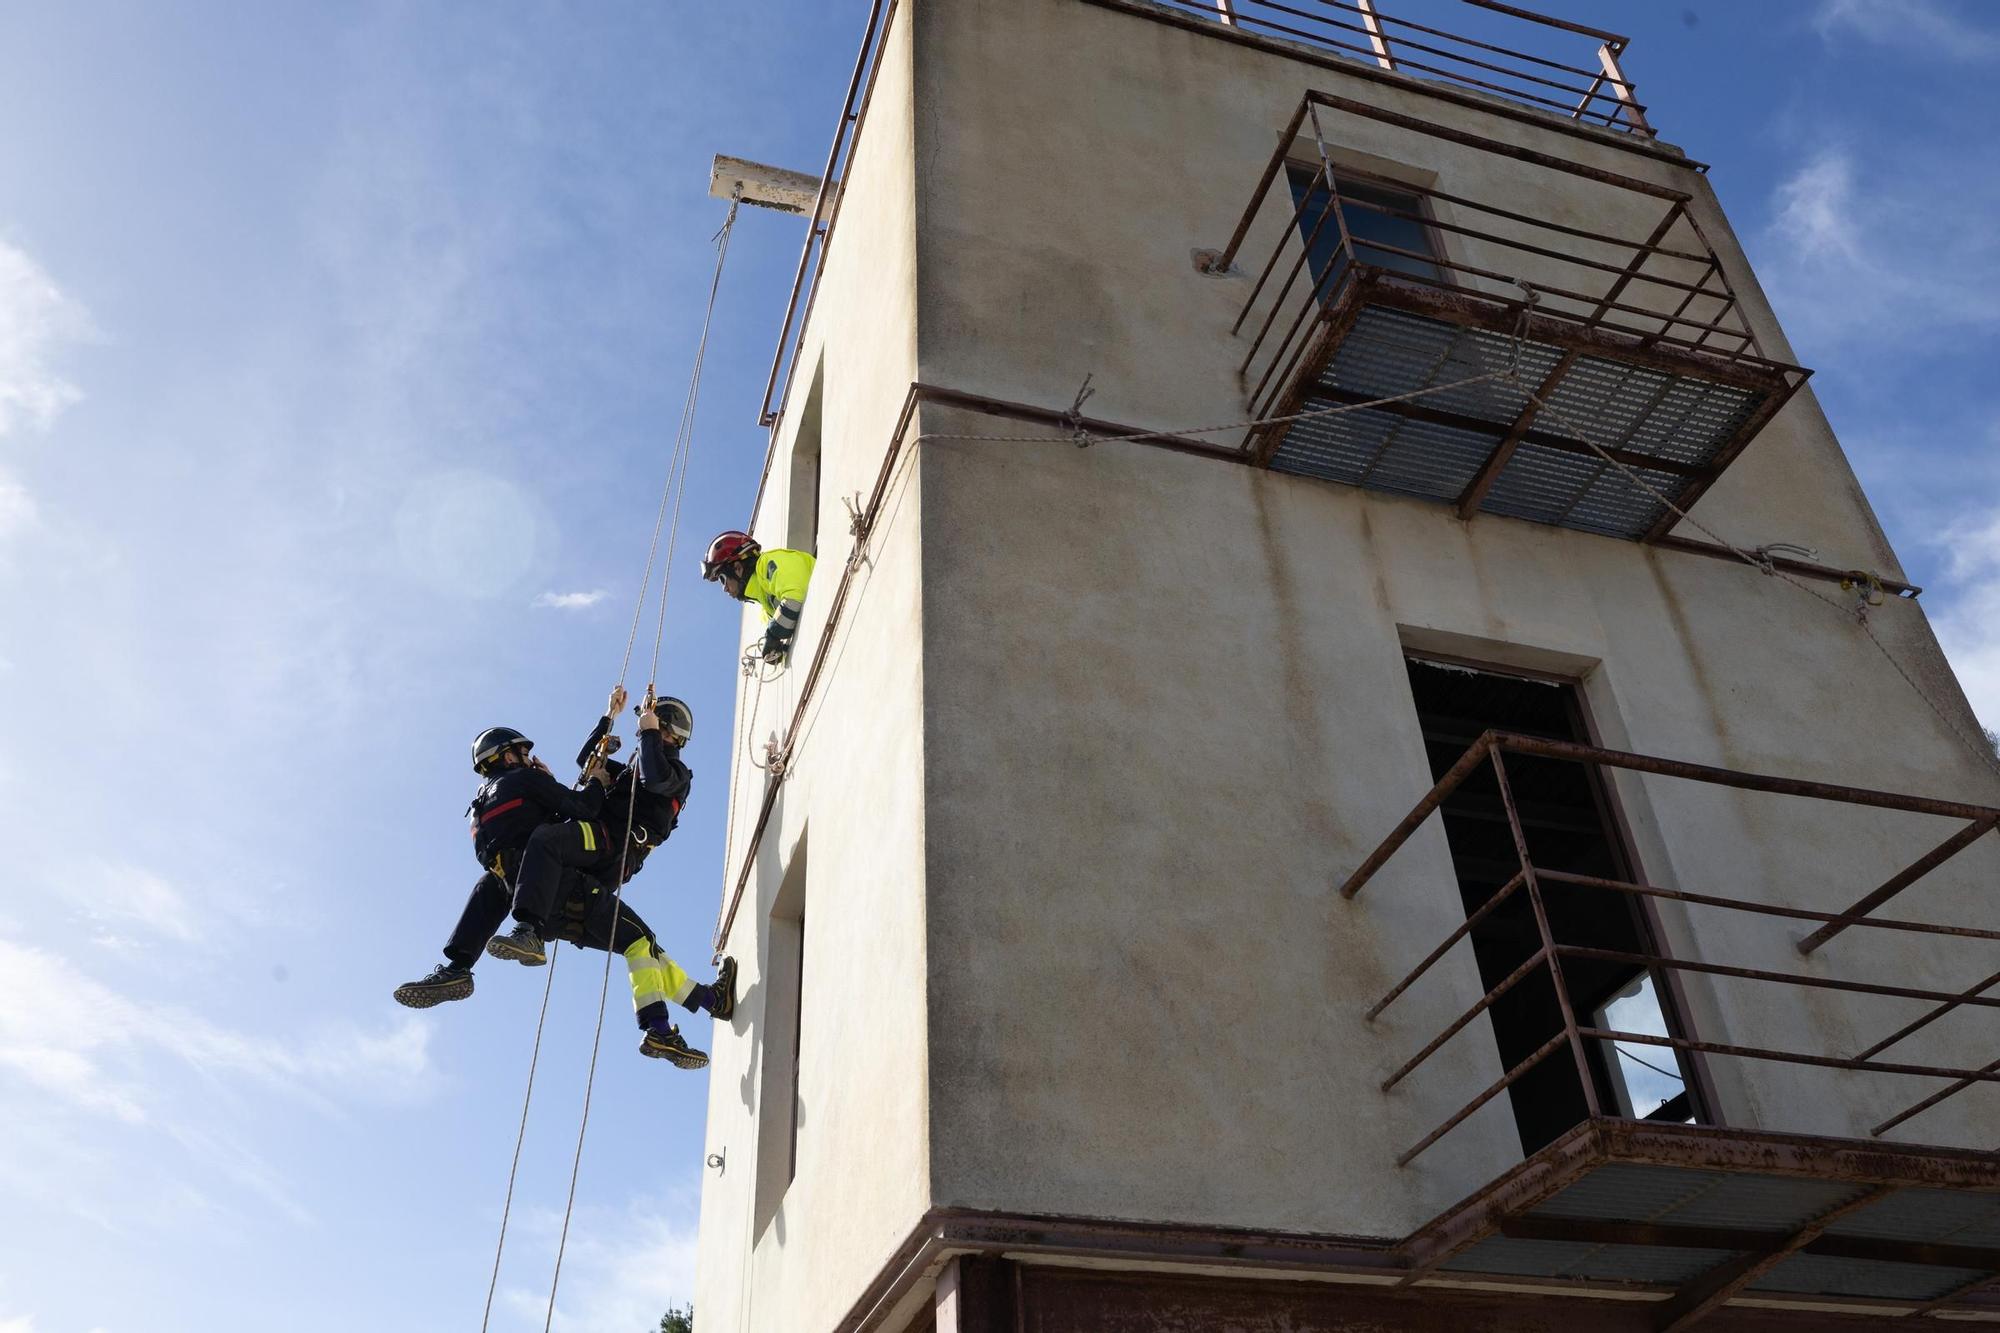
x: 666, y: 519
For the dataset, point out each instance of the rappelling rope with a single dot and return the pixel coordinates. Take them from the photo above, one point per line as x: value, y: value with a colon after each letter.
x: 671, y: 495
x: 520, y: 1136
x: 676, y: 488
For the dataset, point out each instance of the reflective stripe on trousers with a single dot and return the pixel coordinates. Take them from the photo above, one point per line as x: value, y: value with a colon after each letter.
x: 656, y: 978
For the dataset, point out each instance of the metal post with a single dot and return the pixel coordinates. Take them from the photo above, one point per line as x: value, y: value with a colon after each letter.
x: 1226, y: 9
x: 1896, y: 883
x: 1621, y: 88
x: 1333, y: 194
x: 1548, y: 936
x: 1376, y: 37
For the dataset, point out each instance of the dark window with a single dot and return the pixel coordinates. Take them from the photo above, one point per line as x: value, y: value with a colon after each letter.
x: 802, y: 510
x: 780, y: 1105
x: 1371, y: 227
x: 1567, y: 820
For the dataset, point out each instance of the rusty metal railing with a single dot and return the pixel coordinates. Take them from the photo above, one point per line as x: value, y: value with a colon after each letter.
x: 1596, y: 92
x: 1492, y: 747
x: 825, y: 210
x: 1641, y: 291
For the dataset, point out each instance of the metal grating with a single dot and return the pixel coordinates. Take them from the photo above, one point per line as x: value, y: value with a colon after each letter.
x: 1638, y: 409
x: 1935, y: 1216
x: 1501, y: 1255
x: 1697, y: 1198
x: 1823, y: 1275
x: 1692, y: 1199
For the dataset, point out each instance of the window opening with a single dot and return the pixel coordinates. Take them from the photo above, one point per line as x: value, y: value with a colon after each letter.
x: 1646, y: 1086
x: 780, y: 1105
x: 802, y: 507
x: 1567, y: 820
x: 1362, y: 206
x: 798, y: 1025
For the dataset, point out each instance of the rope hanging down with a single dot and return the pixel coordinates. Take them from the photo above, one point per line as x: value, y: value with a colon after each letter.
x: 666, y: 519
x: 676, y: 487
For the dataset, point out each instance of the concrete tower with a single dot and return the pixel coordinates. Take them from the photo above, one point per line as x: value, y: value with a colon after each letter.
x: 1193, y: 881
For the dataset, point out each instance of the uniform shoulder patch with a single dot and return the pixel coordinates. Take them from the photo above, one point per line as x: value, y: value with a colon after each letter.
x: 771, y: 569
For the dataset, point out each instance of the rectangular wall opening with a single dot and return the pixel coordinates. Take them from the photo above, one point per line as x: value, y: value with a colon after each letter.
x: 802, y: 505
x: 779, y: 1103
x: 1568, y: 821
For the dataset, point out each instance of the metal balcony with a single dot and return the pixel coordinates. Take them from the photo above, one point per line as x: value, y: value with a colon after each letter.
x: 1551, y: 65
x: 1536, y: 369
x: 1695, y: 1215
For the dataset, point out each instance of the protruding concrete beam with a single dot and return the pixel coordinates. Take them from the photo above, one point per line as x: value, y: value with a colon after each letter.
x: 766, y: 187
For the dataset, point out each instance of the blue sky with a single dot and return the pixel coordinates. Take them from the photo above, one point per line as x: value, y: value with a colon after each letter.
x: 336, y: 344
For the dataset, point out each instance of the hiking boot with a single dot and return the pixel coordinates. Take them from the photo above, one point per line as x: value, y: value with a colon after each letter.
x: 447, y: 981
x: 523, y: 945
x: 663, y: 1041
x: 722, y: 992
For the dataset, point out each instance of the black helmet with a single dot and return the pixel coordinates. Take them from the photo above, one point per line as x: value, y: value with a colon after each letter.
x: 676, y: 718
x: 488, y: 745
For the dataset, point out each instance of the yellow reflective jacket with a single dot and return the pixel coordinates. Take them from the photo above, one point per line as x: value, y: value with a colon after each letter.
x: 781, y: 577
x: 778, y: 584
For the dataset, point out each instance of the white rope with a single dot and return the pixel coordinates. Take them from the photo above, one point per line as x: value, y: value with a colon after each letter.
x: 520, y: 1136
x: 671, y: 495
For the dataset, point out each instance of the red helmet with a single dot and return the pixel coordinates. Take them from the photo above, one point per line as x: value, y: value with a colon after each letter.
x: 727, y: 549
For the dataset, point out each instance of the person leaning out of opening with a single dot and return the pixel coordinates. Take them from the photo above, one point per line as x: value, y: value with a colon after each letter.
x: 775, y: 580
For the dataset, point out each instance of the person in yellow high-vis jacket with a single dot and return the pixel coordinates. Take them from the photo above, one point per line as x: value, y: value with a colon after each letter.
x: 775, y: 579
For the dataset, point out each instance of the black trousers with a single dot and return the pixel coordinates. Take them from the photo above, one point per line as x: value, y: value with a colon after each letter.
x: 551, y: 850
x: 586, y: 917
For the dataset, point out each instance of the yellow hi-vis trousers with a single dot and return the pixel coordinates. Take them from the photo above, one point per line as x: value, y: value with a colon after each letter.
x: 656, y: 978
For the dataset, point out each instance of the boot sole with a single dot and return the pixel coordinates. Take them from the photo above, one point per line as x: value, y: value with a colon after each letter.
x: 681, y: 1059
x: 514, y: 954
x: 423, y: 997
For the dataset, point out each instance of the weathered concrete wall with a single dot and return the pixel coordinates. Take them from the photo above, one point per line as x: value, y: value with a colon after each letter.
x: 1165, y: 707
x: 1072, y: 157
x: 1103, y: 728
x: 852, y: 801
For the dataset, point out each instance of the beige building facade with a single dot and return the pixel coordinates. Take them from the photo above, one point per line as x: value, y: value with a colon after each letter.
x: 1081, y: 861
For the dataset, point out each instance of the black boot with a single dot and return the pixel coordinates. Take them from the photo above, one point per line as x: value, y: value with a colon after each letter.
x: 447, y: 981
x: 663, y: 1041
x: 523, y: 945
x: 722, y: 992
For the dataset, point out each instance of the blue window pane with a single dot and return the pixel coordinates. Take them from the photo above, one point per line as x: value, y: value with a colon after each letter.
x: 1369, y: 228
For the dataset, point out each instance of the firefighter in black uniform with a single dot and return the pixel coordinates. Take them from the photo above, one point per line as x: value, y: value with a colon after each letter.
x: 640, y: 811
x: 561, y: 848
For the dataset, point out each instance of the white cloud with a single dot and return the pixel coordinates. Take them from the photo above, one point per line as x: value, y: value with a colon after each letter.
x: 1858, y: 250
x: 621, y: 1269
x: 572, y: 601
x: 88, y: 1044
x: 18, y: 513
x: 1924, y: 27
x: 35, y: 319
x: 117, y: 897
x: 1969, y: 624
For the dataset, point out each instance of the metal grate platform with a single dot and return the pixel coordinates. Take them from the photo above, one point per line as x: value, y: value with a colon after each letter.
x: 1672, y: 425
x: 1710, y: 1213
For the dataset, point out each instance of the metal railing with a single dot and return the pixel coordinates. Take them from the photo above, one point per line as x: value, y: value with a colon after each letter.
x: 1651, y: 295
x: 1492, y: 747
x: 825, y: 211
x: 1589, y: 88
